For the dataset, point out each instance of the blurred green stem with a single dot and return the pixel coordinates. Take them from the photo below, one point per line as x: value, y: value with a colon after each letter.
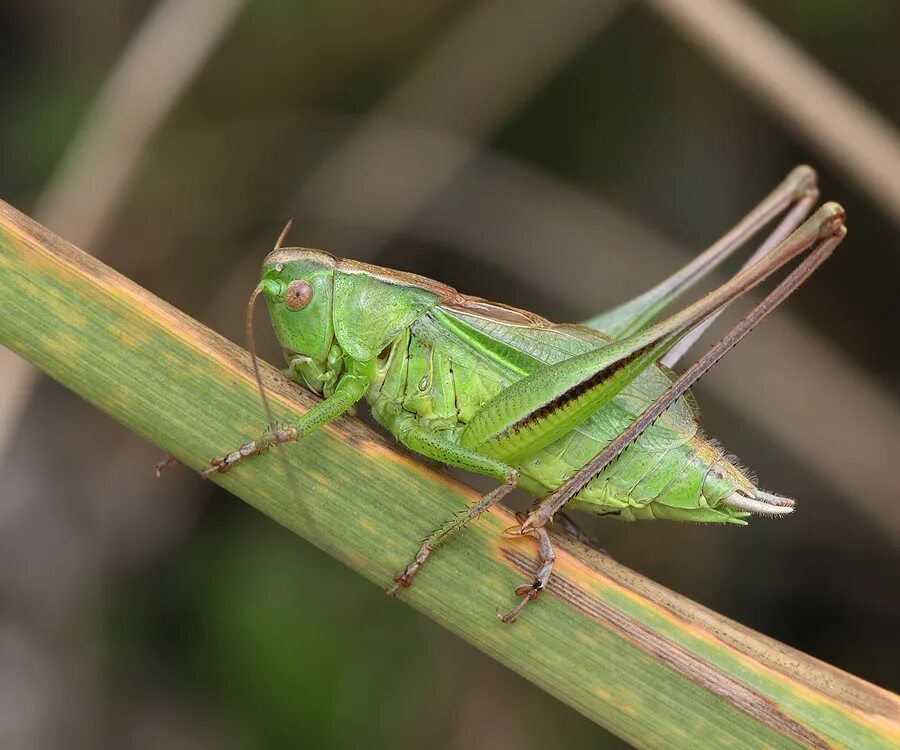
x: 653, y: 667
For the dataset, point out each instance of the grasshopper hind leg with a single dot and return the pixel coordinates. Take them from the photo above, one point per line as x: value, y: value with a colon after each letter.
x: 817, y: 238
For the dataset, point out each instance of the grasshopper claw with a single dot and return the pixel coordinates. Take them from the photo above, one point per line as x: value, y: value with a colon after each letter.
x: 218, y: 465
x: 221, y: 464
x: 528, y: 592
x: 401, y: 581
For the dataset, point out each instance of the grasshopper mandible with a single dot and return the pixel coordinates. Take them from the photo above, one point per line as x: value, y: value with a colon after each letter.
x: 586, y: 415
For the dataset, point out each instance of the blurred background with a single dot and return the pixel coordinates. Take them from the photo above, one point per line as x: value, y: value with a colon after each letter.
x: 560, y: 157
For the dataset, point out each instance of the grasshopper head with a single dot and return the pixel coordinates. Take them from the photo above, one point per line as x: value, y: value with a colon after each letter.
x: 298, y: 285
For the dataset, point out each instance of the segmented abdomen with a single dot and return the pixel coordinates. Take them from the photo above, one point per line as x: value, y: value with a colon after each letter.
x: 671, y: 471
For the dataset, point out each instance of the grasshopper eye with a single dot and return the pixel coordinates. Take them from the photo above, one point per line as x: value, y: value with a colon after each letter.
x: 297, y: 295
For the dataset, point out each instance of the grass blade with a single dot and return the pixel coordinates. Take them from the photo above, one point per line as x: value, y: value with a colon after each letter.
x: 653, y: 667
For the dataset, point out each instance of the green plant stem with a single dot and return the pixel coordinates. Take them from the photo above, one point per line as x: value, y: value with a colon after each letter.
x: 653, y: 667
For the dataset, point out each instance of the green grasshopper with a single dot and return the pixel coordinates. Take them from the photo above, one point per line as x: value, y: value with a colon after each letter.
x: 586, y: 415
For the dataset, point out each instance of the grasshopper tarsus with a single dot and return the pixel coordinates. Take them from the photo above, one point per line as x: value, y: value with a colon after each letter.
x: 403, y: 579
x: 530, y: 591
x: 271, y: 439
x: 394, y: 588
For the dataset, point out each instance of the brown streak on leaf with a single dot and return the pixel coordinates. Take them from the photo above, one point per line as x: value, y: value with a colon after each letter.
x: 702, y: 672
x: 861, y: 696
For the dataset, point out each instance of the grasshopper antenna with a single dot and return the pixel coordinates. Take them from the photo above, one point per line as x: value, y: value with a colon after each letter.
x: 257, y: 374
x: 251, y: 347
x: 251, y: 339
x: 168, y: 460
x: 279, y: 243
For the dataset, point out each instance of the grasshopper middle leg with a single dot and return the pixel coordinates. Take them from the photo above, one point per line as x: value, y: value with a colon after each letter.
x: 403, y: 579
x: 433, y: 445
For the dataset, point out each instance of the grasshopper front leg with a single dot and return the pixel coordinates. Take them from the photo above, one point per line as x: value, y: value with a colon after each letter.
x: 350, y: 388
